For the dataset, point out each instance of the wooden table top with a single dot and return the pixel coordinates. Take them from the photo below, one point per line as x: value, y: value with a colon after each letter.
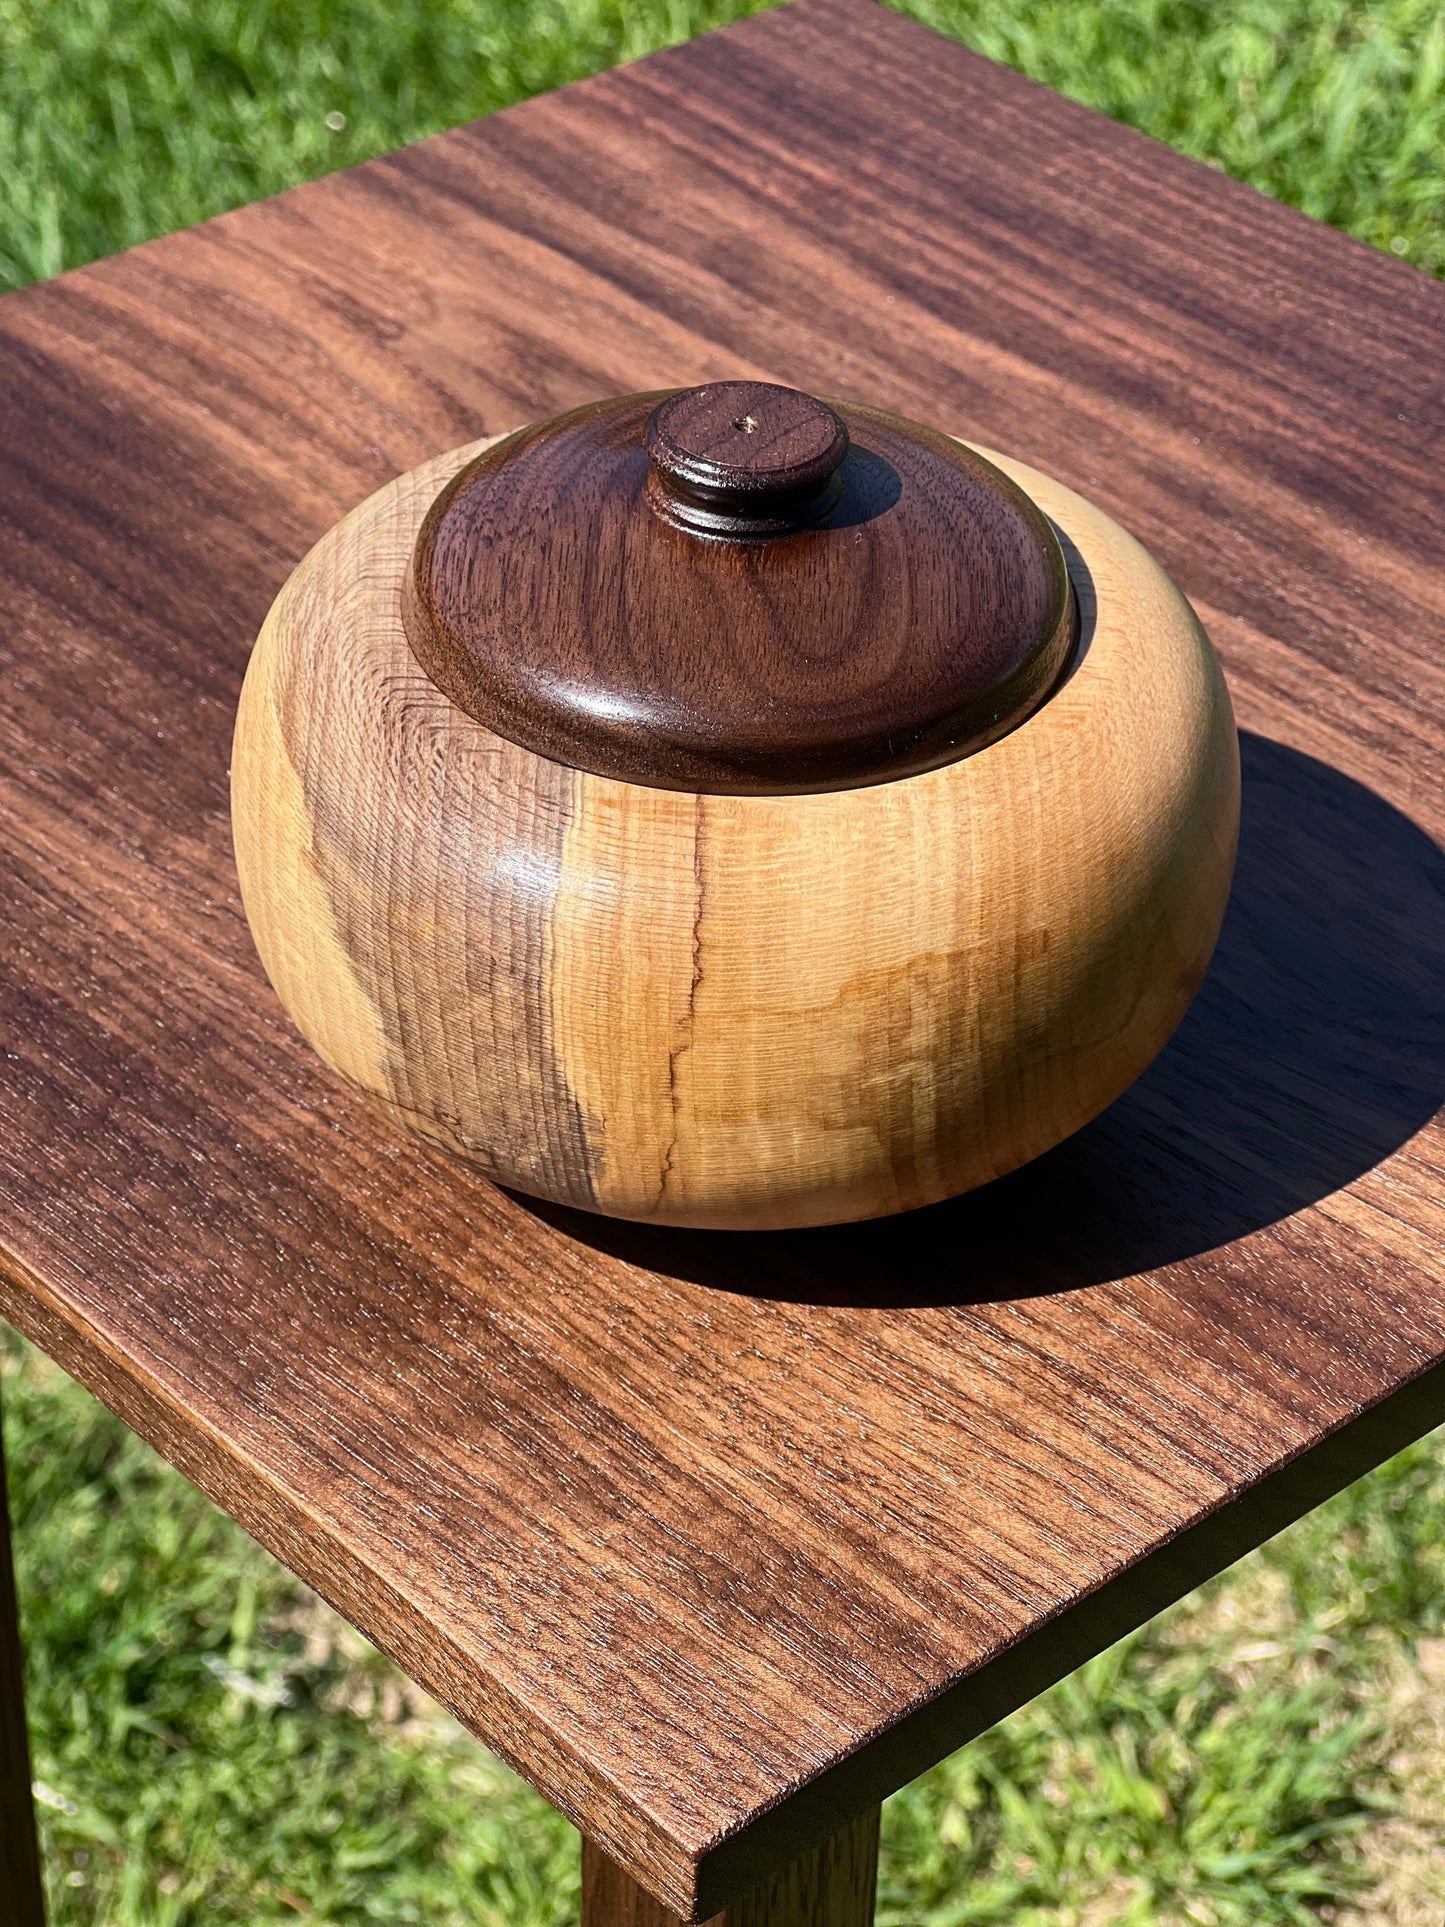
x: 717, y: 1538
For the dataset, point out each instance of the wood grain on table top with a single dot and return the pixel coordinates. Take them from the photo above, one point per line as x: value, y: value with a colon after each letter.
x: 718, y: 1538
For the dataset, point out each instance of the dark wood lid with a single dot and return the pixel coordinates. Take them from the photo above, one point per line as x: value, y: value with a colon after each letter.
x: 739, y: 588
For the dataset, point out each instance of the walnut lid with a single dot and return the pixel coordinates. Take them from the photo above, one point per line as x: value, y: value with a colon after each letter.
x: 739, y: 588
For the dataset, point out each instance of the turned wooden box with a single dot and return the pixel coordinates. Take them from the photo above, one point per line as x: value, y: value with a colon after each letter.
x: 726, y: 808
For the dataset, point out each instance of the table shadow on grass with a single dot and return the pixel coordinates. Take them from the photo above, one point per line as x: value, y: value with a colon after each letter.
x: 1315, y: 1049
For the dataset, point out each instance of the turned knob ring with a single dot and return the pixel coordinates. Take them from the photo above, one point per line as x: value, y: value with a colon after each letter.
x: 744, y: 459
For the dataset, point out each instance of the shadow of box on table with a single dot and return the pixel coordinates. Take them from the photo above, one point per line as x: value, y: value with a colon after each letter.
x: 1315, y: 1048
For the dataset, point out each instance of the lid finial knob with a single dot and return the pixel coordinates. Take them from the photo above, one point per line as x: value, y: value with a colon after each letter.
x: 744, y: 459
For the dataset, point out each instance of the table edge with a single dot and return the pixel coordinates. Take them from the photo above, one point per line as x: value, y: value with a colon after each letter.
x: 977, y: 1700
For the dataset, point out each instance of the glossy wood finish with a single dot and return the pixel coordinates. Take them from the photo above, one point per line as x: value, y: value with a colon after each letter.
x: 923, y: 617
x: 744, y: 459
x: 720, y: 1538
x: 740, y: 1012
x: 834, y: 1884
x: 20, y: 1884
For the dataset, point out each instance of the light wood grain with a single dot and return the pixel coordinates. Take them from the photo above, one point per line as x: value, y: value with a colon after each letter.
x: 720, y: 1538
x: 834, y: 1884
x: 732, y: 1011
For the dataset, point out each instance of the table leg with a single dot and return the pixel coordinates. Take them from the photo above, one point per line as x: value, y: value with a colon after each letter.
x: 834, y: 1885
x: 19, y: 1853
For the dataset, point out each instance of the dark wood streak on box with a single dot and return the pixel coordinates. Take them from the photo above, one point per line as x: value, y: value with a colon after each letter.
x: 711, y: 1538
x: 431, y: 832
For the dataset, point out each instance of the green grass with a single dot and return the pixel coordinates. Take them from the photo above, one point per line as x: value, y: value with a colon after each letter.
x: 1336, y: 107
x: 214, y: 1747
x: 211, y: 1745
x: 121, y: 119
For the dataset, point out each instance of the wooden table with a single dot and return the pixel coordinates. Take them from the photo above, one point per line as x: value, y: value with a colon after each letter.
x: 719, y: 1539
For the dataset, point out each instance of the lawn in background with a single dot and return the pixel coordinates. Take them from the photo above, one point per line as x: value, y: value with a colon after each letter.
x: 213, y: 1747
x: 121, y: 119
